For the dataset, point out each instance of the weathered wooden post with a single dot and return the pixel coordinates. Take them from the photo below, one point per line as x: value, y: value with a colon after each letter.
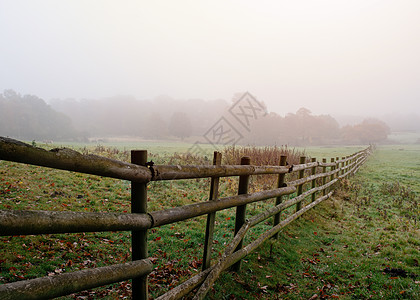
x: 337, y: 167
x: 313, y: 180
x: 302, y: 160
x: 280, y: 183
x: 347, y: 164
x: 214, y: 193
x: 324, y: 178
x: 139, y: 237
x: 241, y: 210
x: 332, y: 169
x: 353, y: 161
x: 342, y: 165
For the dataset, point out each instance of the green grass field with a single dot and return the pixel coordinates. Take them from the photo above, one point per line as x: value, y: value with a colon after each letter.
x: 363, y: 243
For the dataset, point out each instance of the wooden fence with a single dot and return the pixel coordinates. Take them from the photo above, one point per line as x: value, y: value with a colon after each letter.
x: 314, y: 188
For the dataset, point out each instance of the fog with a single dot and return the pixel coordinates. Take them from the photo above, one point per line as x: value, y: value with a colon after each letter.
x: 245, y: 121
x: 358, y: 57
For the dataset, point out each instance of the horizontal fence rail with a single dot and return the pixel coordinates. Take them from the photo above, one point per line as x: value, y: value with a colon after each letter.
x: 67, y: 283
x: 70, y: 160
x: 21, y: 222
x: 25, y: 222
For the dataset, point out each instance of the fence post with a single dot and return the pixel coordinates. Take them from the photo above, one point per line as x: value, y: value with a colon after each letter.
x: 280, y: 183
x: 337, y: 166
x: 214, y: 194
x: 332, y: 169
x: 313, y: 180
x: 302, y: 160
x: 324, y: 178
x: 241, y: 210
x: 347, y: 164
x: 139, y: 237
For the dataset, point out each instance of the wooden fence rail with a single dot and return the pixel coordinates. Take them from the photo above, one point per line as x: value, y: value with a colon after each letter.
x: 24, y: 222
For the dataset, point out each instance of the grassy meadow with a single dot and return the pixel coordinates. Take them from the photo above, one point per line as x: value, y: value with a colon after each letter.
x: 363, y: 243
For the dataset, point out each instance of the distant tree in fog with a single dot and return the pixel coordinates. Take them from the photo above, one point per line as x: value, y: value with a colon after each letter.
x: 180, y: 125
x: 29, y: 117
x: 265, y: 131
x: 157, y: 127
x: 303, y: 128
x: 299, y: 129
x: 369, y: 131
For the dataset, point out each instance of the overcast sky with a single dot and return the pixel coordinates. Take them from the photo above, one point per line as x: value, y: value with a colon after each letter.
x: 331, y: 56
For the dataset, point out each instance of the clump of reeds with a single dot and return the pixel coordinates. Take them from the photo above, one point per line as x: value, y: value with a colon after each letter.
x: 261, y: 156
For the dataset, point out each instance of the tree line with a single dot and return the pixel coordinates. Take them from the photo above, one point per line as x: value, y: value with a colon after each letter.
x: 29, y: 117
x: 159, y: 118
x: 304, y: 129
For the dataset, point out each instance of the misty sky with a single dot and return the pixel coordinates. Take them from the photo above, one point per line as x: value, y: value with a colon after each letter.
x: 331, y: 56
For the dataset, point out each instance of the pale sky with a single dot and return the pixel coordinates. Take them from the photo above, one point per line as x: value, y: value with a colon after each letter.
x: 331, y: 56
